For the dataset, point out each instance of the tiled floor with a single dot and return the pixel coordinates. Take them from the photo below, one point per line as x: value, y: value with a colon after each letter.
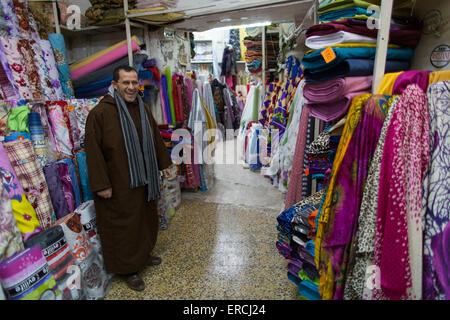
x: 219, y: 245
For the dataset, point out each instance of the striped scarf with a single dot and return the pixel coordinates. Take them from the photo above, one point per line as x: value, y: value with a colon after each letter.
x: 142, y: 163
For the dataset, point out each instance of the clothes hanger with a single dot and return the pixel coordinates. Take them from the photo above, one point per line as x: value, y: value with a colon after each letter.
x: 339, y: 124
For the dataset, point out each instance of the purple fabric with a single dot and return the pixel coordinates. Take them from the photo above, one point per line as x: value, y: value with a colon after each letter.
x: 7, y: 82
x: 335, y: 89
x: 64, y: 175
x: 332, y: 110
x: 400, y: 36
x: 150, y: 63
x: 55, y: 188
x: 440, y: 245
x: 409, y: 77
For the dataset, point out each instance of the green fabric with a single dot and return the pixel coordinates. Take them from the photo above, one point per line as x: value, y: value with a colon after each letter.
x: 302, y: 275
x: 168, y: 74
x: 343, y: 4
x: 18, y: 119
x: 255, y: 109
x: 401, y: 8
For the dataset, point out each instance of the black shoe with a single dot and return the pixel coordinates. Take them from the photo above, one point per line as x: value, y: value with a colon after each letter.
x: 153, y: 261
x: 134, y: 282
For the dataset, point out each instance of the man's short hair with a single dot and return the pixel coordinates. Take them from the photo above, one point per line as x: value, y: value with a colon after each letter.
x: 124, y: 68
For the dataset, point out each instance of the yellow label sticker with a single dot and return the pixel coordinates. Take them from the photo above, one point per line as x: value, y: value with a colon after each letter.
x: 328, y: 54
x: 70, y: 108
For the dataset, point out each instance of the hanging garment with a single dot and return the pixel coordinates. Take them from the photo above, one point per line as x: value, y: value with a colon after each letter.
x: 60, y: 260
x: 339, y: 233
x: 409, y: 77
x: 436, y: 285
x: 31, y: 177
x: 321, y: 257
x: 197, y: 123
x: 10, y: 236
x: 387, y: 83
x: 95, y: 282
x: 361, y: 255
x: 28, y: 267
x: 55, y: 188
x: 398, y: 239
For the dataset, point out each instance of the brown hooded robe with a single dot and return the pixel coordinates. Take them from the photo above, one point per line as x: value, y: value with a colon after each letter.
x: 127, y: 223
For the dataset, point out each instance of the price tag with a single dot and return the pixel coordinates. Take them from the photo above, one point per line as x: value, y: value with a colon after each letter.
x: 70, y: 108
x: 307, y: 172
x: 328, y: 55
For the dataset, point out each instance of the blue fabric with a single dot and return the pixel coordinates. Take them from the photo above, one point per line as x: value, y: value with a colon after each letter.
x: 105, y: 82
x: 92, y: 94
x: 59, y: 50
x: 13, y: 136
x: 74, y: 178
x: 314, y: 62
x: 84, y: 178
x: 344, y: 13
x: 309, y: 290
x: 354, y: 68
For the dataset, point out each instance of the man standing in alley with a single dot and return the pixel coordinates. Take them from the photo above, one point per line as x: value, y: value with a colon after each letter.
x: 125, y: 151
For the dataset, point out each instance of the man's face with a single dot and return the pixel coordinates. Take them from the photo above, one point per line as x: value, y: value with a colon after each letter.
x: 127, y: 85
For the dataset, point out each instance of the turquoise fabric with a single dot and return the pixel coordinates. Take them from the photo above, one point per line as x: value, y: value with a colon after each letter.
x: 316, y: 61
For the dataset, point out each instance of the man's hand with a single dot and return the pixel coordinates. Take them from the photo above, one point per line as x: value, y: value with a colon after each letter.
x: 105, y: 194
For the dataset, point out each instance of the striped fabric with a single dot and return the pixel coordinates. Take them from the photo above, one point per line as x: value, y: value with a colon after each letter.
x: 31, y: 177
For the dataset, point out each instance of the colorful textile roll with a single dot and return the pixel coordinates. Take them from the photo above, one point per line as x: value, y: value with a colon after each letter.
x: 84, y: 178
x: 17, y: 66
x: 102, y: 58
x: 74, y: 180
x: 53, y: 73
x: 13, y: 28
x: 59, y: 258
x: 10, y: 236
x: 27, y: 24
x: 66, y: 181
x: 31, y: 177
x: 73, y: 125
x: 50, y: 142
x: 31, y: 70
x: 57, y: 114
x: 168, y: 74
x: 8, y: 86
x: 59, y: 51
x: 95, y: 283
x: 56, y: 191
x: 37, y: 137
x: 335, y: 89
x: 49, y: 92
x: 27, y: 276
x: 419, y: 77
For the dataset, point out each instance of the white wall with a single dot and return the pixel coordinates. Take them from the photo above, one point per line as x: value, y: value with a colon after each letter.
x: 428, y: 42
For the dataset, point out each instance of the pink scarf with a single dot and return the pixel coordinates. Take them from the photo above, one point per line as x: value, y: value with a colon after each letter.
x: 403, y: 166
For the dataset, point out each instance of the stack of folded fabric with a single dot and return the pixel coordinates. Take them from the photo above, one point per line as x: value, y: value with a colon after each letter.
x: 253, y: 54
x: 340, y: 64
x: 151, y: 4
x: 297, y: 224
x: 106, y: 12
x: 92, y: 76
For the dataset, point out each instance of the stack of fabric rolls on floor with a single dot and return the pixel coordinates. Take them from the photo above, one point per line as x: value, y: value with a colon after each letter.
x: 370, y: 209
